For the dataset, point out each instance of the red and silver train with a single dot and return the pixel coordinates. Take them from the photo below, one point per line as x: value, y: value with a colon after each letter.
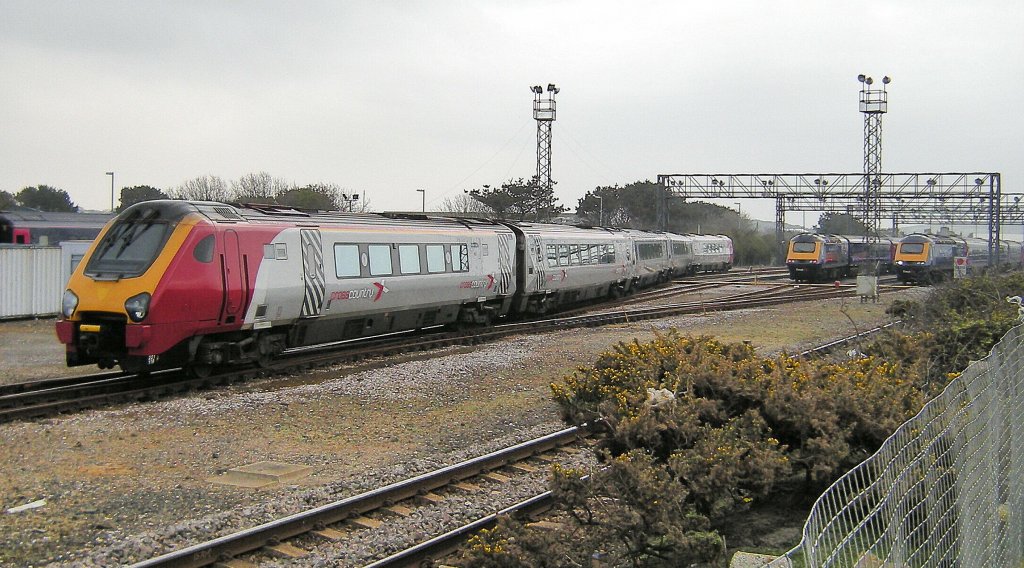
x: 814, y: 257
x: 201, y: 284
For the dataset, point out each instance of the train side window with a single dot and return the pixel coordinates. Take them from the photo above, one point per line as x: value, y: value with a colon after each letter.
x: 409, y: 259
x: 563, y: 255
x: 268, y: 251
x: 346, y: 261
x: 435, y: 258
x: 460, y: 258
x: 380, y: 260
x: 204, y: 250
x: 608, y: 254
x: 552, y: 256
x: 574, y: 255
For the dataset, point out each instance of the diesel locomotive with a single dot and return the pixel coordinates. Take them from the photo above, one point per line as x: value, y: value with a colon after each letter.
x: 814, y: 257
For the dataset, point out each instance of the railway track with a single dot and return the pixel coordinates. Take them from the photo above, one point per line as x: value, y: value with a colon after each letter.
x: 296, y: 536
x: 54, y: 396
x: 326, y: 521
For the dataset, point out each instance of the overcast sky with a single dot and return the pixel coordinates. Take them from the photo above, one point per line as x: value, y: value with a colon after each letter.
x: 384, y: 98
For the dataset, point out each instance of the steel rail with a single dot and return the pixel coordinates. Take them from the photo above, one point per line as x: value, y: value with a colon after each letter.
x: 241, y: 542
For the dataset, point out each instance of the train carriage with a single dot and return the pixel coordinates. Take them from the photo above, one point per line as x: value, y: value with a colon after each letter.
x: 563, y: 265
x: 30, y: 227
x: 653, y: 257
x: 712, y: 253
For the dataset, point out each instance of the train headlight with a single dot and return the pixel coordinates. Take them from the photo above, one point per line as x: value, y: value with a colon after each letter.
x: 137, y: 307
x: 68, y: 303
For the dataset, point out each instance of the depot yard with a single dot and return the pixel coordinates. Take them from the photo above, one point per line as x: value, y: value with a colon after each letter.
x: 104, y: 485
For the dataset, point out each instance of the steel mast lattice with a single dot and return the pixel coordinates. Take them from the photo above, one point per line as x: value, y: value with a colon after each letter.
x: 544, y: 114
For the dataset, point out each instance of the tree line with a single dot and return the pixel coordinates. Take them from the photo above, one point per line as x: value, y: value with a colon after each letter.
x: 260, y: 188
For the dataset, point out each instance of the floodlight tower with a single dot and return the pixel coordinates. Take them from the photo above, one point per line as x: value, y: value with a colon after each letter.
x: 873, y: 103
x: 544, y: 114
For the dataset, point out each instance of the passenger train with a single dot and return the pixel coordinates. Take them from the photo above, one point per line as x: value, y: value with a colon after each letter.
x: 202, y: 284
x: 814, y: 257
x: 926, y: 258
x: 31, y: 227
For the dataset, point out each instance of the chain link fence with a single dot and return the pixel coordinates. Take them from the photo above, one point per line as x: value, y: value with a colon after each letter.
x: 945, y: 490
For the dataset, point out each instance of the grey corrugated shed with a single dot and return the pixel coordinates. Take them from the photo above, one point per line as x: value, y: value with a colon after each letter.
x: 30, y: 281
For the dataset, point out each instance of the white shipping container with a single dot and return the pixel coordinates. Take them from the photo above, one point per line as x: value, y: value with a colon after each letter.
x: 31, y: 281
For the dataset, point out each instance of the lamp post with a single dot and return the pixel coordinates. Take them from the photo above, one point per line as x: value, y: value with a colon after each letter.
x: 423, y: 194
x: 111, y: 174
x: 600, y: 221
x: 739, y: 214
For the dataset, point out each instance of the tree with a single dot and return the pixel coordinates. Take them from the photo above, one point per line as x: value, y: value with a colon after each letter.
x: 325, y: 196
x: 520, y: 200
x: 7, y: 200
x: 258, y: 188
x: 465, y: 204
x: 202, y: 188
x: 137, y: 194
x: 841, y: 224
x: 46, y: 198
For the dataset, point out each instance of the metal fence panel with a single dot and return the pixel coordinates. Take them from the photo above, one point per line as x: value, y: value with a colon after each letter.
x: 945, y: 490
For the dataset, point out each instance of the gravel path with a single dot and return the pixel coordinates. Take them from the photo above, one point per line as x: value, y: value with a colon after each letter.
x: 127, y: 483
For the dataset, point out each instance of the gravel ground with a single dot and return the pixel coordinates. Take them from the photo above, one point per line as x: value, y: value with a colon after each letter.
x: 127, y: 483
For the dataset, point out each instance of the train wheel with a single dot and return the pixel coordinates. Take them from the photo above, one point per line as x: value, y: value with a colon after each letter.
x: 199, y: 370
x: 264, y: 360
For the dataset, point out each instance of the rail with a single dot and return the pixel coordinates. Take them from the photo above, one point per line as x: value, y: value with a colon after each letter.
x: 946, y: 489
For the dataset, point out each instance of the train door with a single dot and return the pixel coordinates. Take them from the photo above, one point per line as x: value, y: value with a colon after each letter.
x: 312, y: 273
x: 22, y: 237
x: 234, y: 293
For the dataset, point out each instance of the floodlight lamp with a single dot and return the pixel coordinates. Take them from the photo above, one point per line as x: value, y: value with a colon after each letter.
x: 355, y: 197
x: 869, y: 80
x: 861, y: 78
x: 977, y: 181
x: 551, y: 87
x: 886, y: 80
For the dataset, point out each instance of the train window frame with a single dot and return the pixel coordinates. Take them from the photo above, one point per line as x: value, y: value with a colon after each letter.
x: 204, y: 249
x: 918, y: 246
x: 552, y: 256
x: 405, y: 259
x: 341, y: 261
x: 798, y: 246
x: 460, y: 251
x: 380, y: 261
x: 433, y: 259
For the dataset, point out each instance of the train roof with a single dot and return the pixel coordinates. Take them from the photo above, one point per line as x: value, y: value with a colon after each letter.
x: 232, y: 213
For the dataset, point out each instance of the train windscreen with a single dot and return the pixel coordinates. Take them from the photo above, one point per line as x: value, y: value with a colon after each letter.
x: 912, y: 248
x: 799, y: 246
x: 129, y: 247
